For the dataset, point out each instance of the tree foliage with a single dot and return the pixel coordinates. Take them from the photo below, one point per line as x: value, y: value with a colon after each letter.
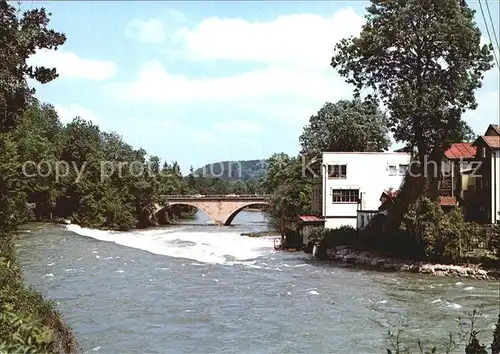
x: 425, y: 60
x: 28, y: 323
x: 20, y: 37
x: 289, y: 188
x: 345, y: 126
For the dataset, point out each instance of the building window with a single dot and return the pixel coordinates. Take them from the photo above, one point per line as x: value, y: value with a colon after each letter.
x: 345, y: 195
x: 393, y: 170
x: 403, y: 169
x: 337, y: 171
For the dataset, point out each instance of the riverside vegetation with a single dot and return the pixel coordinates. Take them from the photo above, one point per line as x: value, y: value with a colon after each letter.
x: 32, y: 131
x: 28, y: 323
x: 423, y: 61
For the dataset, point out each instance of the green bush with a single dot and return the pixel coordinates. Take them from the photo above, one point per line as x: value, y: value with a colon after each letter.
x: 325, y: 238
x: 22, y: 333
x: 28, y: 323
x: 438, y: 235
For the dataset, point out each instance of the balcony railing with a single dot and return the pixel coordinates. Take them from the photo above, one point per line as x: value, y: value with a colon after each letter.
x: 445, y: 184
x: 218, y: 196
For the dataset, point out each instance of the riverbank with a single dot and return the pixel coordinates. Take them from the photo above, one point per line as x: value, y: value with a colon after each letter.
x: 28, y: 322
x: 372, y: 261
x: 260, y: 234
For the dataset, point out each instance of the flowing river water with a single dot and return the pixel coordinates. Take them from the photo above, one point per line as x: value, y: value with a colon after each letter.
x: 196, y: 288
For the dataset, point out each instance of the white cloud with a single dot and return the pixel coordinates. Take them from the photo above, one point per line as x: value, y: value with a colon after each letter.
x: 70, y: 65
x: 296, y: 48
x: 297, y: 40
x: 154, y: 83
x: 68, y: 113
x: 150, y: 31
x: 156, y: 30
x: 290, y: 78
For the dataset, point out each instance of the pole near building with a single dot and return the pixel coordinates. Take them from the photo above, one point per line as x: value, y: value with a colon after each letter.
x: 282, y: 227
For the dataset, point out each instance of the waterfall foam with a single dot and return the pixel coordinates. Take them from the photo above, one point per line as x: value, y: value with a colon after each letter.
x: 222, y: 247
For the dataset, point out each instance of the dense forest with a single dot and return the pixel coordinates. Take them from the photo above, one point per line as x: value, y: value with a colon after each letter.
x: 244, y: 170
x: 96, y: 179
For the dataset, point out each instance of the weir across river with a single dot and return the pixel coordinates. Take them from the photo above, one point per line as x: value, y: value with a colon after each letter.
x: 220, y: 208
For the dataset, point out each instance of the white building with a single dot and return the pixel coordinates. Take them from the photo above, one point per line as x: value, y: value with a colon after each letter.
x: 352, y: 183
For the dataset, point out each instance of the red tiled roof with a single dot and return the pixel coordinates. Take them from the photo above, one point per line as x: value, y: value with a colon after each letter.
x: 461, y: 151
x: 310, y: 218
x: 447, y: 201
x: 492, y: 141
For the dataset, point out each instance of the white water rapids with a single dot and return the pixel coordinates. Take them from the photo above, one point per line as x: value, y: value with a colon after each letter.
x: 221, y: 247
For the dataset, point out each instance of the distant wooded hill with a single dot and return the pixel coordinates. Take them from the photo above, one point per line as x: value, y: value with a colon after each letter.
x: 234, y: 170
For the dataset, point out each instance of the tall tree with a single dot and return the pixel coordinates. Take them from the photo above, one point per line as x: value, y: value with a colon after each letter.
x: 20, y: 37
x: 345, y: 126
x: 424, y: 60
x: 290, y: 190
x: 463, y: 133
x: 39, y: 141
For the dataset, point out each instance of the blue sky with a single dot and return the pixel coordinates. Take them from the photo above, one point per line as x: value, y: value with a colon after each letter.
x: 200, y: 82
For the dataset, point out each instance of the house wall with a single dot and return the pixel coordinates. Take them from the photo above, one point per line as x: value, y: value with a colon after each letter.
x: 317, y: 197
x: 363, y: 218
x: 495, y: 186
x: 480, y: 207
x: 366, y: 175
x: 453, y: 173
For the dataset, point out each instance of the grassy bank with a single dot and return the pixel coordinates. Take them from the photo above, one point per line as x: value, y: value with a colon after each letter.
x: 28, y: 322
x: 260, y: 234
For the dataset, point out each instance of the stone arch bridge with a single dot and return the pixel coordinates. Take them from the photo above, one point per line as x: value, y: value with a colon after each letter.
x: 221, y: 209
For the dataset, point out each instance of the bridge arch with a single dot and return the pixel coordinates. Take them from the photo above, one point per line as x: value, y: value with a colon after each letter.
x: 192, y: 204
x: 235, y: 212
x: 220, y: 212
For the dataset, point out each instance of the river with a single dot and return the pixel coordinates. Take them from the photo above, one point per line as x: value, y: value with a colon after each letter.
x: 196, y: 288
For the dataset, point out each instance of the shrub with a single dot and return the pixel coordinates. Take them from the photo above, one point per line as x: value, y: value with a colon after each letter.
x: 438, y: 235
x: 25, y: 333
x: 28, y: 323
x: 467, y: 337
x: 325, y: 238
